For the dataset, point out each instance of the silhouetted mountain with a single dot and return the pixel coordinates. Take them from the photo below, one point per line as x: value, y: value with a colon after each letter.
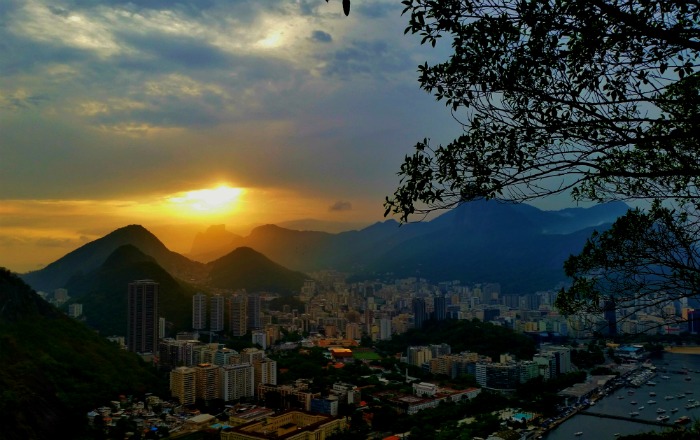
x: 518, y: 245
x: 247, y: 269
x: 215, y: 241
x: 103, y: 291
x: 90, y: 256
x: 570, y: 220
x: 55, y: 369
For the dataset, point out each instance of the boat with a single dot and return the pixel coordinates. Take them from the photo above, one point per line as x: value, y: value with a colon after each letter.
x: 634, y: 414
x: 662, y: 418
x: 668, y: 397
x: 674, y: 410
x: 634, y: 402
x: 665, y: 377
x: 620, y: 397
x: 680, y: 395
x: 682, y: 420
x: 630, y: 392
x: 578, y: 434
x: 651, y: 402
x: 640, y: 408
x: 687, y: 378
x: 660, y: 410
x: 617, y: 434
x: 652, y: 394
x: 651, y: 384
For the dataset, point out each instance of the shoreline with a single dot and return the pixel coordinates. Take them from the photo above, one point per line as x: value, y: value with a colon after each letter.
x: 693, y: 349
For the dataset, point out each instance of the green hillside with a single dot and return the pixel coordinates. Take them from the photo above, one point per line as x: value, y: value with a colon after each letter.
x: 102, y: 292
x: 247, y: 269
x: 55, y: 369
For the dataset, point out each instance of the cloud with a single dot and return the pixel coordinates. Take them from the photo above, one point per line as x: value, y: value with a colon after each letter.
x: 341, y: 205
x: 321, y: 37
x: 374, y: 10
x: 177, y: 51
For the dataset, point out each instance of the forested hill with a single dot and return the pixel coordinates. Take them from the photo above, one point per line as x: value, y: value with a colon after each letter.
x: 463, y: 335
x: 55, y: 369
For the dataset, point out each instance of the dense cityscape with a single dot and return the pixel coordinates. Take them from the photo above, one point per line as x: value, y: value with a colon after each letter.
x: 255, y: 391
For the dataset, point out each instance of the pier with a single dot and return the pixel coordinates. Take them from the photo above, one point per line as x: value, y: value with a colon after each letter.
x: 629, y: 419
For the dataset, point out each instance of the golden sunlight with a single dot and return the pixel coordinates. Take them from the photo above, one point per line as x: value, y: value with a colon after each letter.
x: 204, y: 202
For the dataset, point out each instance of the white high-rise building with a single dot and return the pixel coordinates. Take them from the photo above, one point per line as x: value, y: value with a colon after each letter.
x: 260, y: 338
x: 385, y: 329
x: 199, y: 311
x: 265, y: 372
x: 237, y: 381
x: 75, y: 310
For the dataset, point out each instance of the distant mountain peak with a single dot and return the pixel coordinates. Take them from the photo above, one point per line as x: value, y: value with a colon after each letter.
x: 93, y: 254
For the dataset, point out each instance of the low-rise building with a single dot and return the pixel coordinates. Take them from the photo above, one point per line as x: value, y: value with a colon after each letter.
x: 290, y: 425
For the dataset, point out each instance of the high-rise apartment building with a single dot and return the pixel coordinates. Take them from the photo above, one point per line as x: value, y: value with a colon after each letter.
x: 254, y: 316
x: 238, y: 314
x: 265, y: 372
x: 237, y: 381
x: 352, y: 331
x: 199, y: 311
x: 385, y: 329
x: 208, y: 381
x: 75, y: 310
x: 142, y: 317
x: 439, y: 308
x: 420, y: 313
x: 216, y: 315
x: 183, y: 384
x: 259, y: 337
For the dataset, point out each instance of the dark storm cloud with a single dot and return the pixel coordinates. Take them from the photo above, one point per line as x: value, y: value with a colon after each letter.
x: 340, y: 205
x: 322, y: 37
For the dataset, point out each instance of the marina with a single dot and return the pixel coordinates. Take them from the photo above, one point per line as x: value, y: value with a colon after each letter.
x: 612, y: 416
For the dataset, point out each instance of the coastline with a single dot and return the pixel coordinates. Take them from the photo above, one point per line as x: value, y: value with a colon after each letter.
x: 693, y: 349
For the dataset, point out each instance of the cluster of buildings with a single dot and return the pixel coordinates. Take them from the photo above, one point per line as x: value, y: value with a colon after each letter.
x: 425, y: 395
x: 211, y: 371
x: 504, y: 375
x: 335, y: 309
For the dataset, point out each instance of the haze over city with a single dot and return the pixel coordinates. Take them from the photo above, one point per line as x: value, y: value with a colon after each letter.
x: 180, y: 115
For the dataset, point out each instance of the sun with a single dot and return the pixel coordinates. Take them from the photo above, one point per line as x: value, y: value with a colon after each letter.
x: 220, y: 200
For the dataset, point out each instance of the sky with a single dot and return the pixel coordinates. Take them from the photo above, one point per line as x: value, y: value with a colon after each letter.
x: 178, y: 114
x: 182, y: 114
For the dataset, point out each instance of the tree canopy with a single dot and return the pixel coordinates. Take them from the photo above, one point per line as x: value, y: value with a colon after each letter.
x: 595, y: 98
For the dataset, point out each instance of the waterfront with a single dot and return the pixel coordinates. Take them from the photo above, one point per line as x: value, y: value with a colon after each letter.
x: 668, y: 393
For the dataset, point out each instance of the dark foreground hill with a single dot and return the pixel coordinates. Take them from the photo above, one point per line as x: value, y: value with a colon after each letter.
x: 102, y: 292
x: 54, y: 369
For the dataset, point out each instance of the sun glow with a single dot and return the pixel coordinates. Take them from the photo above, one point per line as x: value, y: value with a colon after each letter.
x: 220, y: 200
